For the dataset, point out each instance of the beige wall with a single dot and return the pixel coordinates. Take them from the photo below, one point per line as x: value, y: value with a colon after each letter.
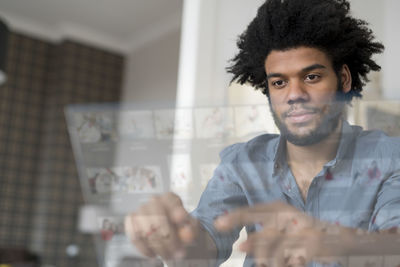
x: 152, y: 70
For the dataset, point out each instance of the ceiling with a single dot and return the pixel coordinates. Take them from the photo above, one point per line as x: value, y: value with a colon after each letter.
x: 119, y: 25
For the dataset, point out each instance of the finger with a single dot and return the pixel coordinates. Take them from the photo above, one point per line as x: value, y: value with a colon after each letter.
x: 295, y: 257
x: 186, y: 225
x: 286, y: 255
x: 137, y: 240
x: 290, y: 222
x: 164, y: 237
x: 176, y: 211
x: 145, y: 227
x: 260, y: 213
x: 261, y: 244
x: 188, y: 232
x: 313, y: 243
x: 284, y: 249
x: 273, y: 248
x: 265, y: 263
x: 319, y: 245
x: 255, y: 241
x: 264, y: 248
x: 298, y: 249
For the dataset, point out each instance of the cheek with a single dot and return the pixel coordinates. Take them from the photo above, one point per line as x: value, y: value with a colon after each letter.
x: 274, y: 101
x: 325, y: 100
x: 274, y: 107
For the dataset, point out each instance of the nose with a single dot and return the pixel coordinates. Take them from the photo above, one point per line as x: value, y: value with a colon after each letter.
x: 297, y: 92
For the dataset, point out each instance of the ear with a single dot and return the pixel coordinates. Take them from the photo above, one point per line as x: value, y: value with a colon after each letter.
x: 346, y: 80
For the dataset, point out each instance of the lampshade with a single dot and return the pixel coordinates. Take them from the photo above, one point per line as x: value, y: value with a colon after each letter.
x: 3, y: 50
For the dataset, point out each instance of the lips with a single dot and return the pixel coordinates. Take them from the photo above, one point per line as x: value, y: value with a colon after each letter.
x: 300, y: 116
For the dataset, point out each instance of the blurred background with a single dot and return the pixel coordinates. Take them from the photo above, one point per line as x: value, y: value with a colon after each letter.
x: 104, y: 103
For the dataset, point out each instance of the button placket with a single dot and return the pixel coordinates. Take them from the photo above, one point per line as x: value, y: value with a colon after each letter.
x: 311, y: 195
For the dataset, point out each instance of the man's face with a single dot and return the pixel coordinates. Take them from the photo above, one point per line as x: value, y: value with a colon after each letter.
x: 303, y: 87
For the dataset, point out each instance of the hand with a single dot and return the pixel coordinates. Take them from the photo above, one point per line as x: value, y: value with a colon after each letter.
x: 287, y: 236
x: 162, y: 227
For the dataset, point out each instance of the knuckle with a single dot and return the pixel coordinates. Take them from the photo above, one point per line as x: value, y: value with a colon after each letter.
x: 155, y: 200
x: 172, y: 197
x: 141, y: 211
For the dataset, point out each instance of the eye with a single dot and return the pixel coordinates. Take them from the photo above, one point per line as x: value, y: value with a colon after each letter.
x: 278, y: 84
x: 312, y: 77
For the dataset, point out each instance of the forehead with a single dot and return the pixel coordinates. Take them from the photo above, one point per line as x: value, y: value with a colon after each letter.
x: 295, y: 59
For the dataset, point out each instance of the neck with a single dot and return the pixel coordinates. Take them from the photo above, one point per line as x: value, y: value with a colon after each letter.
x: 317, y: 155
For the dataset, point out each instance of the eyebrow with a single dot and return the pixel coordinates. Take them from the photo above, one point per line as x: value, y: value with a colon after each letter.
x: 306, y: 69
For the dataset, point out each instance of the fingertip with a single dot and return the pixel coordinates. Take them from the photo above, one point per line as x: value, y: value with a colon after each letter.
x: 186, y: 234
x: 222, y: 224
x: 179, y: 215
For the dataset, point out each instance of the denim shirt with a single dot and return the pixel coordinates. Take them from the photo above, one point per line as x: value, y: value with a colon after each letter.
x: 359, y: 188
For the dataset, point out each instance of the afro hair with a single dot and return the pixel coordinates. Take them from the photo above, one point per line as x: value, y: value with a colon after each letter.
x: 323, y: 24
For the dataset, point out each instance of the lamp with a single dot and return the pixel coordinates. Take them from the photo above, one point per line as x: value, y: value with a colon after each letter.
x: 3, y: 51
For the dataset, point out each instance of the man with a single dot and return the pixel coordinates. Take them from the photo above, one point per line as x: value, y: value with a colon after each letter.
x: 307, y: 194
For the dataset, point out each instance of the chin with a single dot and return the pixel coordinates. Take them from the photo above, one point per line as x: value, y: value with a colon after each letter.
x: 310, y: 132
x: 308, y: 137
x: 302, y: 131
x: 305, y: 140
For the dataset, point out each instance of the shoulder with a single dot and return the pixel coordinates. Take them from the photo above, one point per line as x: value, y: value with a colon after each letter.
x: 378, y: 142
x: 262, y: 146
x: 379, y: 147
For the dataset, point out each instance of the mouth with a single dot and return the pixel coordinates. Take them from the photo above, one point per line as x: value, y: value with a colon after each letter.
x: 300, y: 116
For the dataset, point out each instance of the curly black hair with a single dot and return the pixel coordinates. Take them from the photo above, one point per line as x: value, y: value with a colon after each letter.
x: 323, y: 24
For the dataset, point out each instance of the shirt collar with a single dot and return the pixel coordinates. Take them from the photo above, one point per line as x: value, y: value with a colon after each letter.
x: 347, y: 140
x: 348, y: 134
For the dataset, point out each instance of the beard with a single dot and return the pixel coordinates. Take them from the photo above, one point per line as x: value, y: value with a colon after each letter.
x: 329, y: 122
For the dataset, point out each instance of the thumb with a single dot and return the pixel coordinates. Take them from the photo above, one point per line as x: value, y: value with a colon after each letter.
x: 187, y: 233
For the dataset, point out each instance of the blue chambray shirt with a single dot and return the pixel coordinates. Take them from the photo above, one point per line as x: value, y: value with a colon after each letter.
x: 359, y: 188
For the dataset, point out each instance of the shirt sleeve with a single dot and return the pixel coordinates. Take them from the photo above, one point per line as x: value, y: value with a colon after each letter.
x: 221, y: 195
x: 386, y: 214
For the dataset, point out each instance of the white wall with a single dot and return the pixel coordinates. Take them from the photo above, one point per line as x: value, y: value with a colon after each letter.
x: 391, y: 19
x: 152, y: 70
x: 383, y: 19
x: 372, y: 11
x: 215, y: 25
